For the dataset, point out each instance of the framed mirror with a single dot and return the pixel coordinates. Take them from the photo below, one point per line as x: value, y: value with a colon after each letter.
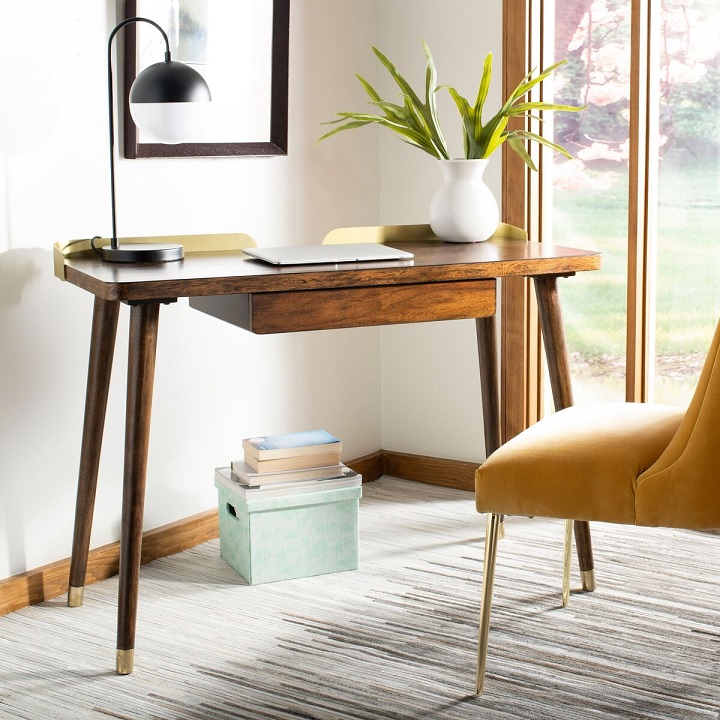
x: 241, y: 48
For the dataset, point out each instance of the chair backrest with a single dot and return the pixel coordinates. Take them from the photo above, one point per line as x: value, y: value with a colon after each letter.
x: 682, y: 488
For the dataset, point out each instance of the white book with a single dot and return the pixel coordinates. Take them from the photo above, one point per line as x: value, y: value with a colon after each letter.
x: 226, y: 477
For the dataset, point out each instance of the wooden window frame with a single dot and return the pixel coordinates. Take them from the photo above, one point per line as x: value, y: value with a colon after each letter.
x: 525, y: 26
x: 520, y: 359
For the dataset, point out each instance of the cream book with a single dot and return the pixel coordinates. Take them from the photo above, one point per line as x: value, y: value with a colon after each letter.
x: 308, y: 442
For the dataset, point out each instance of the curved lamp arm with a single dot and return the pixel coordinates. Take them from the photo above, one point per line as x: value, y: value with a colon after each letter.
x: 139, y: 19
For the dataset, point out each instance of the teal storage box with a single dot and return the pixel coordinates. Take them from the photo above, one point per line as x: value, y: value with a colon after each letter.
x: 282, y: 533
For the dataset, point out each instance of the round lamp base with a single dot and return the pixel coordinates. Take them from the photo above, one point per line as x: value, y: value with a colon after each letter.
x: 143, y: 253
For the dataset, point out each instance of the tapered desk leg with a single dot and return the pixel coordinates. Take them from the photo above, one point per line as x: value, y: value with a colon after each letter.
x: 141, y: 367
x: 102, y: 347
x: 490, y: 389
x: 489, y: 382
x: 559, y: 369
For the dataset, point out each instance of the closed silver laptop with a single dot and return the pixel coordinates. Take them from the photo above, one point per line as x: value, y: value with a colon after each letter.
x: 322, y: 254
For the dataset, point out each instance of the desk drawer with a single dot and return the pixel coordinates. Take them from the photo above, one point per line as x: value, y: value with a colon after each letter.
x: 281, y: 312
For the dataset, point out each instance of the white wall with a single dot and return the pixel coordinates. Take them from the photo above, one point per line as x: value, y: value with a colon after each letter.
x: 430, y: 376
x: 214, y: 383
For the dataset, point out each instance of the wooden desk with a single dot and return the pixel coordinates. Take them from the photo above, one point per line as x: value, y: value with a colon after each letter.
x: 445, y: 281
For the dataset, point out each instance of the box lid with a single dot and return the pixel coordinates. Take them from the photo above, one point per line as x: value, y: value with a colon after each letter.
x: 291, y: 494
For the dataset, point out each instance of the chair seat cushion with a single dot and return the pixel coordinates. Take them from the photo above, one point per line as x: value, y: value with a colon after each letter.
x: 580, y: 463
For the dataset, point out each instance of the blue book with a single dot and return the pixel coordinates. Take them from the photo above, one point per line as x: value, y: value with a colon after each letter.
x: 309, y: 442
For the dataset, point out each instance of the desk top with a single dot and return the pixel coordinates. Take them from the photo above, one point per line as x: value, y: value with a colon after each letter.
x: 232, y: 272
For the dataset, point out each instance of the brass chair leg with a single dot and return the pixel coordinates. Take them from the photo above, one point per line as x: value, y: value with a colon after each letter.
x: 491, y: 543
x: 567, y: 558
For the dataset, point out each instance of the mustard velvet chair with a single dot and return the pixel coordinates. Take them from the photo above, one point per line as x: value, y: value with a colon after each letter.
x: 628, y: 463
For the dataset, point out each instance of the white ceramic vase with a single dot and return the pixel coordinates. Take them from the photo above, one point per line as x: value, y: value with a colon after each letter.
x: 463, y: 209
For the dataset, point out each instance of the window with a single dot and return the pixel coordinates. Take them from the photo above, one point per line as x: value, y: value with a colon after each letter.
x: 643, y: 187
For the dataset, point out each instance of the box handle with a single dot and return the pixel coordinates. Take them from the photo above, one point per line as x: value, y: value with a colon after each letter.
x: 231, y: 510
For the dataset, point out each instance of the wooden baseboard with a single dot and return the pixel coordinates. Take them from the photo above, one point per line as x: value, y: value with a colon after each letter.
x: 434, y: 471
x: 371, y: 467
x: 456, y: 474
x: 50, y: 581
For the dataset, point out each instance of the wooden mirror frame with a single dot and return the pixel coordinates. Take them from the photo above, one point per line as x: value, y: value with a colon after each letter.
x: 277, y: 145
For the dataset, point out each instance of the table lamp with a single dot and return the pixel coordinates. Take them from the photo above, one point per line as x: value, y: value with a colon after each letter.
x: 168, y: 102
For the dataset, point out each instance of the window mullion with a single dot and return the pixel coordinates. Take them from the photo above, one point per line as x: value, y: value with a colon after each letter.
x: 642, y: 208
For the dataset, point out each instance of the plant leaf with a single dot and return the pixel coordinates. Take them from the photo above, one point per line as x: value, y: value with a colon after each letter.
x: 488, y: 132
x: 465, y: 110
x: 430, y: 90
x: 369, y: 89
x: 521, y: 108
x: 540, y: 139
x: 528, y: 82
x: 348, y: 126
x: 392, y: 110
x: 519, y: 148
x: 497, y: 138
x: 397, y: 77
x: 483, y: 91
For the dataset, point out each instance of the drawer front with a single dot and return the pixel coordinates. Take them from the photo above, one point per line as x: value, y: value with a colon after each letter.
x: 363, y: 307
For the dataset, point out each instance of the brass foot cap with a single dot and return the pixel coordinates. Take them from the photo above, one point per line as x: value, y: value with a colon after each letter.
x: 75, y: 596
x: 124, y: 661
x: 588, y: 580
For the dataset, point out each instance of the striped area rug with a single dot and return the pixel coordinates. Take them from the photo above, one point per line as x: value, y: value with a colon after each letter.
x: 394, y: 639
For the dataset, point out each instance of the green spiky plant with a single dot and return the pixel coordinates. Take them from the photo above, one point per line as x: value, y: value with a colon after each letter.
x: 416, y: 122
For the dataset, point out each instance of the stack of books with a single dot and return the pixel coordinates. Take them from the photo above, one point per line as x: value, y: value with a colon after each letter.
x: 301, y: 459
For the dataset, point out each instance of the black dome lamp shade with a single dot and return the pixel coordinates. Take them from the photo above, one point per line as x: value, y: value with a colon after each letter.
x: 169, y: 103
